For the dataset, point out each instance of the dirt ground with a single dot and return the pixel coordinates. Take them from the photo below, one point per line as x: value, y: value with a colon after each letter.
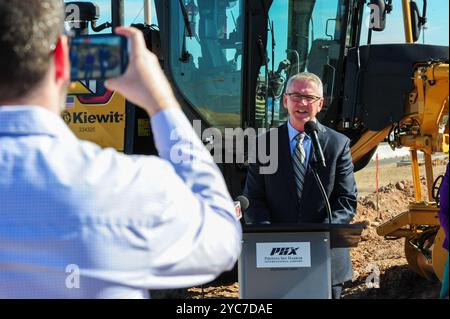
x: 396, y: 279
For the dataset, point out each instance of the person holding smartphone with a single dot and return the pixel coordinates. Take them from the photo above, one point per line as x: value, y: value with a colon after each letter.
x: 78, y: 221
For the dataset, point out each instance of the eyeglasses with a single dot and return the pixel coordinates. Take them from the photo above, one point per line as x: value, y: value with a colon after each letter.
x: 297, y: 97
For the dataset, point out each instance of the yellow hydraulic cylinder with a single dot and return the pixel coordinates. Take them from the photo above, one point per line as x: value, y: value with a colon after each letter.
x: 416, y: 175
x: 407, y: 21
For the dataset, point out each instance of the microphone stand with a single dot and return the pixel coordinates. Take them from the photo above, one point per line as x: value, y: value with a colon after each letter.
x: 321, y: 188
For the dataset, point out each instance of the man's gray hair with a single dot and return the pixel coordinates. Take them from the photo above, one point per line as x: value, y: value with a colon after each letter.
x: 307, y: 76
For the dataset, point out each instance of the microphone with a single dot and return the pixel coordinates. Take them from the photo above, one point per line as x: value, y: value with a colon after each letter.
x: 311, y: 129
x: 241, y: 205
x: 244, y: 202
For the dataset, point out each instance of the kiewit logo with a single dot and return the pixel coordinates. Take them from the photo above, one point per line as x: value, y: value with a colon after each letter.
x: 85, y: 118
x: 284, y: 251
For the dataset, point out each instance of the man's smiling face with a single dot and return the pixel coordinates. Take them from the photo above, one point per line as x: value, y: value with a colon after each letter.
x: 303, y: 101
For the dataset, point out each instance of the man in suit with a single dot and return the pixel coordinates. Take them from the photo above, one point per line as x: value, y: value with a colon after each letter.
x: 291, y: 194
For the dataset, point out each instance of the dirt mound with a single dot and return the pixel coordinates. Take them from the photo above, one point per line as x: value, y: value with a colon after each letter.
x: 397, y: 282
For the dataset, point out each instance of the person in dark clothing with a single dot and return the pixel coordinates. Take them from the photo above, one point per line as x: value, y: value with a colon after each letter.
x: 291, y: 194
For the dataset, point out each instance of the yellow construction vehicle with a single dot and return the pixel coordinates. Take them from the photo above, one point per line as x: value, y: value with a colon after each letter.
x: 424, y: 127
x: 228, y: 61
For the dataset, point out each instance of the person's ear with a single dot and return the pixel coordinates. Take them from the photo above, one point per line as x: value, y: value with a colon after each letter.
x: 61, y: 59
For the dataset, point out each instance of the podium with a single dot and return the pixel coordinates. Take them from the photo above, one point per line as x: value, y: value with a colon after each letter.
x: 281, y: 261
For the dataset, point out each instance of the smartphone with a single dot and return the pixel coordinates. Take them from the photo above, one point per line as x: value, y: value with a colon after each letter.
x: 98, y: 57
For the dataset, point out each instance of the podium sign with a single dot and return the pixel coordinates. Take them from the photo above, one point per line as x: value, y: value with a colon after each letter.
x: 283, y: 255
x: 290, y: 261
x: 265, y: 273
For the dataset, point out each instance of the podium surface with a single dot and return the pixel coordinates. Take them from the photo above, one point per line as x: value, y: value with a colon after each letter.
x: 291, y: 261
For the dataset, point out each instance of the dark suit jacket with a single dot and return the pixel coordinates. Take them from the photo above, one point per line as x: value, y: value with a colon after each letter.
x: 273, y: 197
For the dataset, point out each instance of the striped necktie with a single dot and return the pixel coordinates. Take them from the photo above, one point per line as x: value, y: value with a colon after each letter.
x: 299, y: 163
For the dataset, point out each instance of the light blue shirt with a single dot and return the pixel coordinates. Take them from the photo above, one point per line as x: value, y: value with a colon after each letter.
x: 79, y: 221
x: 292, y: 132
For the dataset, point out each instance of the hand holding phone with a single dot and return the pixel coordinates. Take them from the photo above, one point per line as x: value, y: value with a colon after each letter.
x: 144, y: 82
x: 98, y: 57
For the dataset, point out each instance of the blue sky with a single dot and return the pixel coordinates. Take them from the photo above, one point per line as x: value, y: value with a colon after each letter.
x: 437, y: 28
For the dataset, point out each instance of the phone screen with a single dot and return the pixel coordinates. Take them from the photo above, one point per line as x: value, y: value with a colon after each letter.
x: 98, y: 57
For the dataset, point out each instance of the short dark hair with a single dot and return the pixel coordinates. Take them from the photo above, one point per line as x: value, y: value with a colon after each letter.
x: 29, y: 31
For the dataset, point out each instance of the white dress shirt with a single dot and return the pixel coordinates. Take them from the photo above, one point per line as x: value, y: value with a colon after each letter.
x: 79, y: 221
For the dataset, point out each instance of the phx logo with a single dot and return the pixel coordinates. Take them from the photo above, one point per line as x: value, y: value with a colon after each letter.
x: 284, y: 251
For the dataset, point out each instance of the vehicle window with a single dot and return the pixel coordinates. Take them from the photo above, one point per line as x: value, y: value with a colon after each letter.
x: 134, y: 12
x: 206, y: 64
x: 302, y: 36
